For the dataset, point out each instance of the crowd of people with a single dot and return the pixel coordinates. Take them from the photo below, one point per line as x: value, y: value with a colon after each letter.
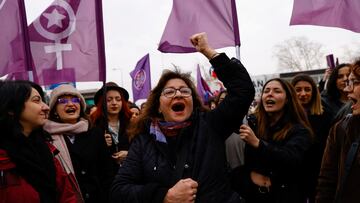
x: 297, y: 143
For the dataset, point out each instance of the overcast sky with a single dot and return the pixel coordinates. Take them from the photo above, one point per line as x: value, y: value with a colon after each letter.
x: 133, y: 28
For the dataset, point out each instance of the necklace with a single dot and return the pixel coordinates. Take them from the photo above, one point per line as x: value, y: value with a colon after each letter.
x: 115, y: 126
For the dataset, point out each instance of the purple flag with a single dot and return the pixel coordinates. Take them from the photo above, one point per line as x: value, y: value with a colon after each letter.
x: 141, y: 80
x: 67, y: 42
x: 13, y: 47
x: 330, y: 61
x: 331, y: 13
x: 217, y: 18
x: 202, y: 87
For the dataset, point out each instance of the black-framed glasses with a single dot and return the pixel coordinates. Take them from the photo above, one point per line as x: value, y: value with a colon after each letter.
x: 75, y: 100
x: 351, y: 83
x: 170, y: 92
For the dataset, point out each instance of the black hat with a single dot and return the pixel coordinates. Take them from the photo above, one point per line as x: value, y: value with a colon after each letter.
x: 111, y: 86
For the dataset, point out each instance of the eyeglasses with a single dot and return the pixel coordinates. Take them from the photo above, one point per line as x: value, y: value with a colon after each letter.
x: 351, y: 83
x: 170, y: 92
x: 75, y: 100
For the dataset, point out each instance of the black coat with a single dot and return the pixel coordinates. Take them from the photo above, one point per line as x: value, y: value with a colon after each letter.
x: 149, y: 171
x: 282, y: 161
x: 320, y: 125
x: 123, y: 144
x: 92, y: 165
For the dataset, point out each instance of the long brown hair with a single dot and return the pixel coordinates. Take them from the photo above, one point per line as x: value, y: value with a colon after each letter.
x: 315, y: 105
x: 152, y: 104
x: 292, y: 109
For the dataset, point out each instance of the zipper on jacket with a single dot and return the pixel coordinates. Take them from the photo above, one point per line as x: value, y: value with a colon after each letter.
x: 2, y: 178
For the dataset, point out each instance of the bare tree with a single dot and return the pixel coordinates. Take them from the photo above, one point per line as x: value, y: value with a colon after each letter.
x: 351, y: 53
x: 299, y: 53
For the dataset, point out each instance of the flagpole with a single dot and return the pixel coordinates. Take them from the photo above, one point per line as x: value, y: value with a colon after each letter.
x: 236, y: 29
x: 101, y: 40
x: 25, y: 34
x: 237, y: 50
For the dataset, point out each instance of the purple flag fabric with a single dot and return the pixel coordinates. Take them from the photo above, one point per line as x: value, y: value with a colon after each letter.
x: 202, y: 87
x: 330, y: 61
x: 330, y: 13
x: 13, y: 47
x: 217, y: 18
x: 141, y: 79
x: 67, y: 42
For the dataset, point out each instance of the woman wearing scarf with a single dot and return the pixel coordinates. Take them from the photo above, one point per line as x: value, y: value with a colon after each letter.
x: 28, y: 170
x: 111, y: 119
x: 178, y: 152
x: 83, y: 153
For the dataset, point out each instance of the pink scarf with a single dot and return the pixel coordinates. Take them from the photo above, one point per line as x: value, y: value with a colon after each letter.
x: 57, y: 130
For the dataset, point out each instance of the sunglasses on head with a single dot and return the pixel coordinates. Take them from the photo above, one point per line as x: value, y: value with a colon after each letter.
x: 75, y: 100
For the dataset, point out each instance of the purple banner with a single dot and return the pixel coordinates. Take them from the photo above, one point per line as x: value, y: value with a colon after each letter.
x: 330, y: 13
x: 202, y: 87
x: 68, y: 34
x: 13, y: 48
x: 217, y: 18
x: 141, y: 79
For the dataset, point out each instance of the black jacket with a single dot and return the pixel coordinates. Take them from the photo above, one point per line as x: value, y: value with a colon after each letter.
x: 282, y: 161
x: 92, y: 165
x: 148, y: 171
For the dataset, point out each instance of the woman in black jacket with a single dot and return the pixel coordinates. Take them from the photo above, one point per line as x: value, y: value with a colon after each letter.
x: 275, y: 150
x: 334, y: 97
x: 83, y: 152
x: 178, y: 154
x: 320, y: 122
x: 111, y: 119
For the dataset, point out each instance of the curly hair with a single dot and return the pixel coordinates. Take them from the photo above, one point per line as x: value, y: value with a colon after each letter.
x: 152, y: 104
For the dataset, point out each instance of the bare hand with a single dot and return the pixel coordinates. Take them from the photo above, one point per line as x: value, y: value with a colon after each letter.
x: 248, y: 135
x: 108, y: 139
x: 120, y: 156
x: 200, y: 42
x: 184, y: 191
x: 327, y: 74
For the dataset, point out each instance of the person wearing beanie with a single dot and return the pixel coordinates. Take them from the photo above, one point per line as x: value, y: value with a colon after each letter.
x: 111, y: 118
x: 83, y: 152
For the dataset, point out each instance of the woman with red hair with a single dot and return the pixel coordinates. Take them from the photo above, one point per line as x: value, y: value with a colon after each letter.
x: 111, y: 118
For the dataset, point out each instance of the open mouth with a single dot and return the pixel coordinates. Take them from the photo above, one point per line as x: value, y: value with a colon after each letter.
x: 270, y: 102
x: 177, y: 107
x: 353, y: 100
x: 70, y: 110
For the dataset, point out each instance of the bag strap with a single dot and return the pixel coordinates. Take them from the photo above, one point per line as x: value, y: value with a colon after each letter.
x: 348, y: 163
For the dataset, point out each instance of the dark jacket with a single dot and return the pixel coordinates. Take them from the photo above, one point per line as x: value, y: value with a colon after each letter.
x: 340, y: 138
x: 92, y: 165
x: 320, y: 125
x: 123, y: 144
x: 331, y: 105
x: 280, y: 160
x: 149, y: 172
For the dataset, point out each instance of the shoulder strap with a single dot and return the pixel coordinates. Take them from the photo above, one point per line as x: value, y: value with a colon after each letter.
x: 349, y: 160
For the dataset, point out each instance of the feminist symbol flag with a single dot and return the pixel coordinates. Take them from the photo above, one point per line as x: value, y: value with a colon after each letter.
x: 13, y: 47
x: 141, y: 80
x: 218, y: 18
x: 332, y: 13
x: 67, y: 42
